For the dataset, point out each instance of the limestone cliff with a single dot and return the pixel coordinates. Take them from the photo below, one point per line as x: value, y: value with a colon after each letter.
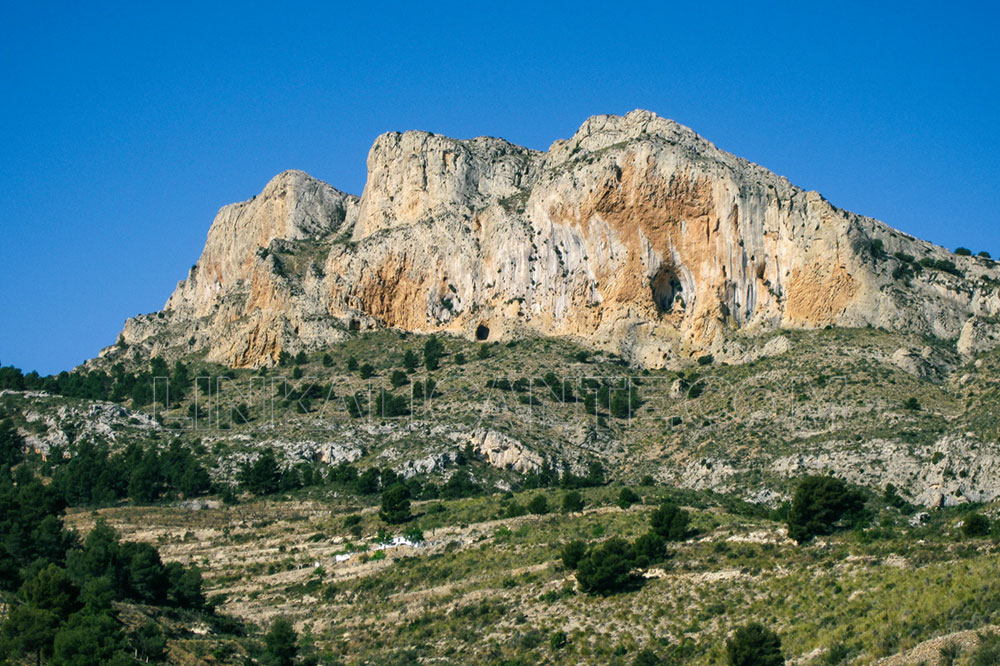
x: 636, y: 236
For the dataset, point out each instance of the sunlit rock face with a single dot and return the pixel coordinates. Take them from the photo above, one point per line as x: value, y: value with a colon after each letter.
x: 635, y: 236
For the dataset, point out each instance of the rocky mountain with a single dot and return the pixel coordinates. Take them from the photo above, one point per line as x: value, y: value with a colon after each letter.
x: 635, y: 236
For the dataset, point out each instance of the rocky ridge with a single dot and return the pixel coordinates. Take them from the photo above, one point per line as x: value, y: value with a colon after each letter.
x: 635, y: 236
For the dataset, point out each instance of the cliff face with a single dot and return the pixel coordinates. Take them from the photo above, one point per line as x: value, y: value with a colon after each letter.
x: 635, y: 236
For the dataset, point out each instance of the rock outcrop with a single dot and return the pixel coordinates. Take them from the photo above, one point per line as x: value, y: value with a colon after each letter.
x: 635, y: 236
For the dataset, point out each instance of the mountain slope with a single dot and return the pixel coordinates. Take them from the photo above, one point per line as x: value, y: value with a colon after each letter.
x: 635, y: 236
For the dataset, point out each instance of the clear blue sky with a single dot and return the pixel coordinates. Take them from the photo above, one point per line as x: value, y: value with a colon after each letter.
x: 123, y: 128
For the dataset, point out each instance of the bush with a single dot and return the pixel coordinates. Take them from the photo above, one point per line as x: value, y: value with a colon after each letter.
x: 650, y: 548
x: 963, y: 251
x: 670, y: 522
x: 819, y: 504
x: 627, y: 497
x: 399, y: 378
x: 558, y: 641
x: 433, y: 350
x: 912, y: 404
x: 572, y: 553
x: 707, y: 359
x: 327, y: 360
x: 352, y: 363
x: 976, y: 525
x: 538, y: 505
x: 395, y: 504
x: 572, y: 502
x: 280, y: 643
x: 366, y: 371
x: 607, y: 569
x: 985, y: 255
x: 988, y: 652
x: 647, y: 657
x: 754, y: 645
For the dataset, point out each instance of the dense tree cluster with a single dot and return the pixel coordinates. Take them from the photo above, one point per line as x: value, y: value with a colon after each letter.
x: 62, y: 590
x: 820, y: 505
x: 95, y: 476
x: 612, y: 566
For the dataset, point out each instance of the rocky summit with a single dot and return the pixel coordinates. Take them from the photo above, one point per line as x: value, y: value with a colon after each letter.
x: 635, y: 236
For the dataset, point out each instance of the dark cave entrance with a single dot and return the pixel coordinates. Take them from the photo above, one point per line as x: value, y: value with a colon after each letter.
x: 355, y: 325
x: 482, y: 332
x: 666, y: 287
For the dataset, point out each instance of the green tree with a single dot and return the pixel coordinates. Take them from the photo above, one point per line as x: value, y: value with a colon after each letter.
x: 262, y: 476
x: 90, y: 639
x: 327, y: 360
x: 819, y: 504
x: 627, y: 497
x: 399, y: 378
x: 754, y: 645
x: 572, y: 553
x: 280, y: 643
x: 352, y: 364
x: 149, y: 641
x: 146, y: 481
x: 366, y: 371
x: 608, y: 568
x: 976, y: 525
x: 572, y: 502
x: 538, y: 505
x: 670, y: 522
x: 395, y: 504
x: 433, y: 350
x: 10, y: 444
x: 410, y: 360
x: 301, y: 358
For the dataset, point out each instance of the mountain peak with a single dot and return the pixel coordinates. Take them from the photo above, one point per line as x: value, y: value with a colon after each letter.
x: 635, y: 235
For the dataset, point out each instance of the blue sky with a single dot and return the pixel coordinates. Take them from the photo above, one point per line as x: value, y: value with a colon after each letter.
x: 124, y: 128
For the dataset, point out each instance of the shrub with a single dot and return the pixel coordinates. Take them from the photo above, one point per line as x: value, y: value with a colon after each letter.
x: 395, y: 504
x: 985, y: 255
x: 410, y: 360
x: 627, y: 497
x: 366, y: 371
x: 976, y: 525
x: 707, y: 359
x: 607, y: 569
x: 301, y: 358
x: 754, y: 645
x: 650, y: 548
x: 327, y: 360
x: 912, y: 404
x: 819, y: 504
x: 558, y: 641
x: 647, y: 657
x: 399, y: 378
x: 572, y: 501
x: 963, y: 251
x: 538, y: 505
x: 572, y: 553
x: 459, y: 358
x: 433, y: 349
x: 670, y: 522
x: 988, y: 652
x: 280, y: 643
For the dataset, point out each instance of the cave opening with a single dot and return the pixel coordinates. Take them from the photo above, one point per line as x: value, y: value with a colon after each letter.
x: 482, y: 332
x: 666, y: 287
x: 355, y: 325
